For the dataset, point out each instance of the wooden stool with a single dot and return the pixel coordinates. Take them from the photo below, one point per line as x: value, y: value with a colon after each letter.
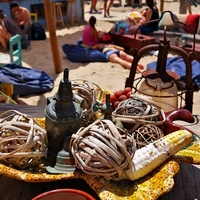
x: 57, y: 11
x: 71, y: 5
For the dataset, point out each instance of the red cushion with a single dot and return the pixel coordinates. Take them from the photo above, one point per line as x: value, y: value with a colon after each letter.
x: 192, y: 21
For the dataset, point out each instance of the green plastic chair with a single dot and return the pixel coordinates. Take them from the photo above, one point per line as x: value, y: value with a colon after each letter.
x: 15, y: 52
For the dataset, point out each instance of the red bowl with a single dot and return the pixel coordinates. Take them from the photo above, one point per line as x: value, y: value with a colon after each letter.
x: 64, y: 194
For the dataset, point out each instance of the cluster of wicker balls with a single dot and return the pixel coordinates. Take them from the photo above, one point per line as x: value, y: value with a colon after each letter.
x: 142, y: 118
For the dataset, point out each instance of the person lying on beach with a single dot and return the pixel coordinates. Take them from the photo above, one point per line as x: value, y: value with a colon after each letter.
x: 92, y: 38
x: 116, y: 54
x: 8, y: 28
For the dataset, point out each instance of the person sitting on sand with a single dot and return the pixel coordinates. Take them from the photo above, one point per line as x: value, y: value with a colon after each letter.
x: 92, y: 38
x: 8, y: 28
x: 136, y: 19
x: 20, y: 15
x: 149, y: 14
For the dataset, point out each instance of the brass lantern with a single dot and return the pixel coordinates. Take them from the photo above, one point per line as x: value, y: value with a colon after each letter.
x: 161, y: 84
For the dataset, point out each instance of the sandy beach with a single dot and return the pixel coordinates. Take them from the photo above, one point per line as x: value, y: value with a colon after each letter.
x: 107, y: 75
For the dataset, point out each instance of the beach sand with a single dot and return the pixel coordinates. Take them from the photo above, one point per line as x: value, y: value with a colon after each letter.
x: 108, y: 75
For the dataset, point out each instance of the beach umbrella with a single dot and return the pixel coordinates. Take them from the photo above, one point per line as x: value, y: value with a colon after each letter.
x: 52, y: 34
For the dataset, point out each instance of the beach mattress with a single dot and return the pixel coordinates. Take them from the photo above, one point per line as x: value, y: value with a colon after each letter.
x: 79, y: 53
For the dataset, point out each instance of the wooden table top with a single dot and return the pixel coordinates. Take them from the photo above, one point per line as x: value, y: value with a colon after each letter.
x: 34, y: 111
x: 186, y: 186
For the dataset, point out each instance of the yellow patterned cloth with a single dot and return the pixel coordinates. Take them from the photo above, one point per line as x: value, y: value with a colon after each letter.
x: 152, y: 186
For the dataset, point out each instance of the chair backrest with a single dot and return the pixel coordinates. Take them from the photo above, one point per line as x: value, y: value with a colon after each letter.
x: 15, y: 49
x: 64, y: 194
x: 35, y: 16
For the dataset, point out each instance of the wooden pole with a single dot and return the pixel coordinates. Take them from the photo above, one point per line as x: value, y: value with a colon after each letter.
x: 52, y: 34
x: 161, y: 6
x: 83, y: 9
x: 183, y: 6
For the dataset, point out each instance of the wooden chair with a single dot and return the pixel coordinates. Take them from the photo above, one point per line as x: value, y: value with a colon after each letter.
x: 57, y: 11
x: 34, y: 16
x: 72, y: 5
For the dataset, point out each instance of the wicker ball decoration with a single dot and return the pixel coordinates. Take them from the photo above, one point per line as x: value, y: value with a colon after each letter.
x: 146, y: 134
x: 22, y: 140
x: 86, y: 93
x: 138, y: 110
x: 102, y: 149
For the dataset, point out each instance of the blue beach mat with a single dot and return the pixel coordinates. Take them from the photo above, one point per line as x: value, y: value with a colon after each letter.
x: 79, y: 53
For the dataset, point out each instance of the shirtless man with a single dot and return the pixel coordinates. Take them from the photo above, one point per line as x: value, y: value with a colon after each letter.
x: 20, y: 15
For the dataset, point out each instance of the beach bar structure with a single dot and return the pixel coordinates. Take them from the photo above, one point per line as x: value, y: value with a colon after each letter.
x: 37, y: 7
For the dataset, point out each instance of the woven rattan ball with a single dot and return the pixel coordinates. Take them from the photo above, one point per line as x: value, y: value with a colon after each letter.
x: 102, y: 150
x: 22, y: 140
x: 138, y: 110
x: 146, y: 134
x: 135, y: 107
x: 86, y: 94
